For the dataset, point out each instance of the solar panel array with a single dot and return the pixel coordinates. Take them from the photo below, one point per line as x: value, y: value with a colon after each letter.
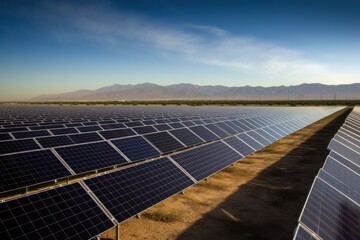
x: 156, y: 152
x: 332, y: 209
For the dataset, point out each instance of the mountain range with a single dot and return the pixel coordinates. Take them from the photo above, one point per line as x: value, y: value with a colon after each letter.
x: 185, y: 91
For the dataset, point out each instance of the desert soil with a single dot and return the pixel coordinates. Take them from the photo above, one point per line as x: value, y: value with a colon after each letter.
x: 260, y: 197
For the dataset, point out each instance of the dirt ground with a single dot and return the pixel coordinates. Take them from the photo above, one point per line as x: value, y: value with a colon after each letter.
x: 260, y: 197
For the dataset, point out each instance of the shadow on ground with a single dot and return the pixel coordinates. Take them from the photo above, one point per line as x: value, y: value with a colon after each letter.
x: 277, y: 195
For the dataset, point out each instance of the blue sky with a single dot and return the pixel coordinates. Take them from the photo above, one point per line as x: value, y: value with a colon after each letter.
x: 59, y: 46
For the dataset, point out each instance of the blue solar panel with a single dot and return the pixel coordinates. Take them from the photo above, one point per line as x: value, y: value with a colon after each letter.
x: 17, y: 146
x: 54, y: 141
x: 226, y: 127
x: 344, y: 151
x: 216, y: 130
x: 89, y: 157
x: 176, y: 125
x: 85, y: 137
x: 24, y: 169
x: 239, y: 146
x: 164, y: 142
x: 132, y: 190
x: 89, y: 129
x: 206, y: 160
x: 330, y: 214
x: 5, y: 136
x: 144, y: 130
x: 30, y: 134
x: 302, y: 234
x: 113, y: 126
x: 250, y: 141
x: 136, y: 148
x: 258, y: 138
x: 62, y: 131
x: 204, y: 133
x: 162, y: 127
x: 344, y: 161
x: 14, y: 129
x: 62, y: 213
x: 118, y: 133
x: 186, y: 137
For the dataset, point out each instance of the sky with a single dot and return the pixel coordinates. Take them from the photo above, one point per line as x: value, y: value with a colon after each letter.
x: 59, y: 46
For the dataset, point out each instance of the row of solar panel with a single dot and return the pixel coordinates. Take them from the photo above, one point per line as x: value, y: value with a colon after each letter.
x: 71, y: 212
x: 332, y: 210
x: 25, y: 169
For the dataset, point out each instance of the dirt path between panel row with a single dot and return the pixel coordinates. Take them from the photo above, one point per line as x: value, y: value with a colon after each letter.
x: 260, y: 197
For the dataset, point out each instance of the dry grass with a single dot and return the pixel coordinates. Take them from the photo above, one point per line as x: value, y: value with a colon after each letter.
x: 163, y: 216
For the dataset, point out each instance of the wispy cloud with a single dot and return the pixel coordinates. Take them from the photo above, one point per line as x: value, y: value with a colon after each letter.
x: 202, y: 44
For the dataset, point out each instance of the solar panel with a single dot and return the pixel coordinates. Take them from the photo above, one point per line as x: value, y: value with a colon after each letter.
x: 164, y: 142
x: 30, y: 134
x: 89, y: 129
x: 89, y: 157
x: 63, y: 213
x: 216, y: 130
x: 344, y: 161
x: 5, y: 136
x: 162, y: 127
x: 144, y: 130
x: 148, y: 122
x: 266, y: 135
x: 258, y: 138
x: 348, y: 142
x: 47, y: 127
x: 250, y: 141
x: 24, y: 169
x: 344, y: 151
x: 186, y: 137
x: 176, y: 125
x: 62, y: 131
x: 17, y: 146
x: 85, y: 137
x: 204, y: 133
x: 54, y: 141
x: 119, y: 133
x: 130, y: 191
x: 342, y: 179
x: 136, y: 148
x: 330, y: 214
x: 113, y: 126
x: 15, y: 129
x: 226, y: 127
x: 134, y: 124
x: 275, y: 134
x: 302, y: 234
x: 239, y: 146
x: 243, y: 123
x: 206, y: 160
x: 188, y: 123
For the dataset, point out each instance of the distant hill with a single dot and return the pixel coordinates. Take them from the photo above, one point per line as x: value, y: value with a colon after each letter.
x: 149, y: 91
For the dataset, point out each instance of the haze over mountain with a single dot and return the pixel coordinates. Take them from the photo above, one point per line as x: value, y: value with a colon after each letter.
x: 185, y: 91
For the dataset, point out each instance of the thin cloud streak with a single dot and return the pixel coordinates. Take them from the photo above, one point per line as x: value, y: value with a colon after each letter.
x: 202, y: 44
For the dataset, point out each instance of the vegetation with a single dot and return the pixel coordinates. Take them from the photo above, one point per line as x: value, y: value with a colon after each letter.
x: 162, y: 216
x: 208, y: 103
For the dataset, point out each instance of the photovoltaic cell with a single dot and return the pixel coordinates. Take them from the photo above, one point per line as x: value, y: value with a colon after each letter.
x: 206, y: 160
x: 136, y: 148
x: 15, y: 129
x: 186, y: 137
x: 266, y: 135
x: 258, y: 138
x: 89, y: 129
x: 302, y: 234
x: 144, y: 130
x: 239, y: 146
x: 54, y: 141
x: 250, y: 141
x: 176, y: 125
x: 63, y: 213
x: 118, y: 133
x: 113, y: 126
x: 330, y: 214
x: 226, y: 127
x: 216, y: 130
x: 85, y: 137
x: 5, y: 136
x: 344, y: 161
x: 164, y: 141
x: 89, y: 157
x: 132, y: 190
x: 162, y: 127
x: 344, y: 180
x: 343, y: 151
x: 204, y: 133
x: 24, y: 169
x: 62, y: 131
x: 30, y: 134
x: 17, y: 146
